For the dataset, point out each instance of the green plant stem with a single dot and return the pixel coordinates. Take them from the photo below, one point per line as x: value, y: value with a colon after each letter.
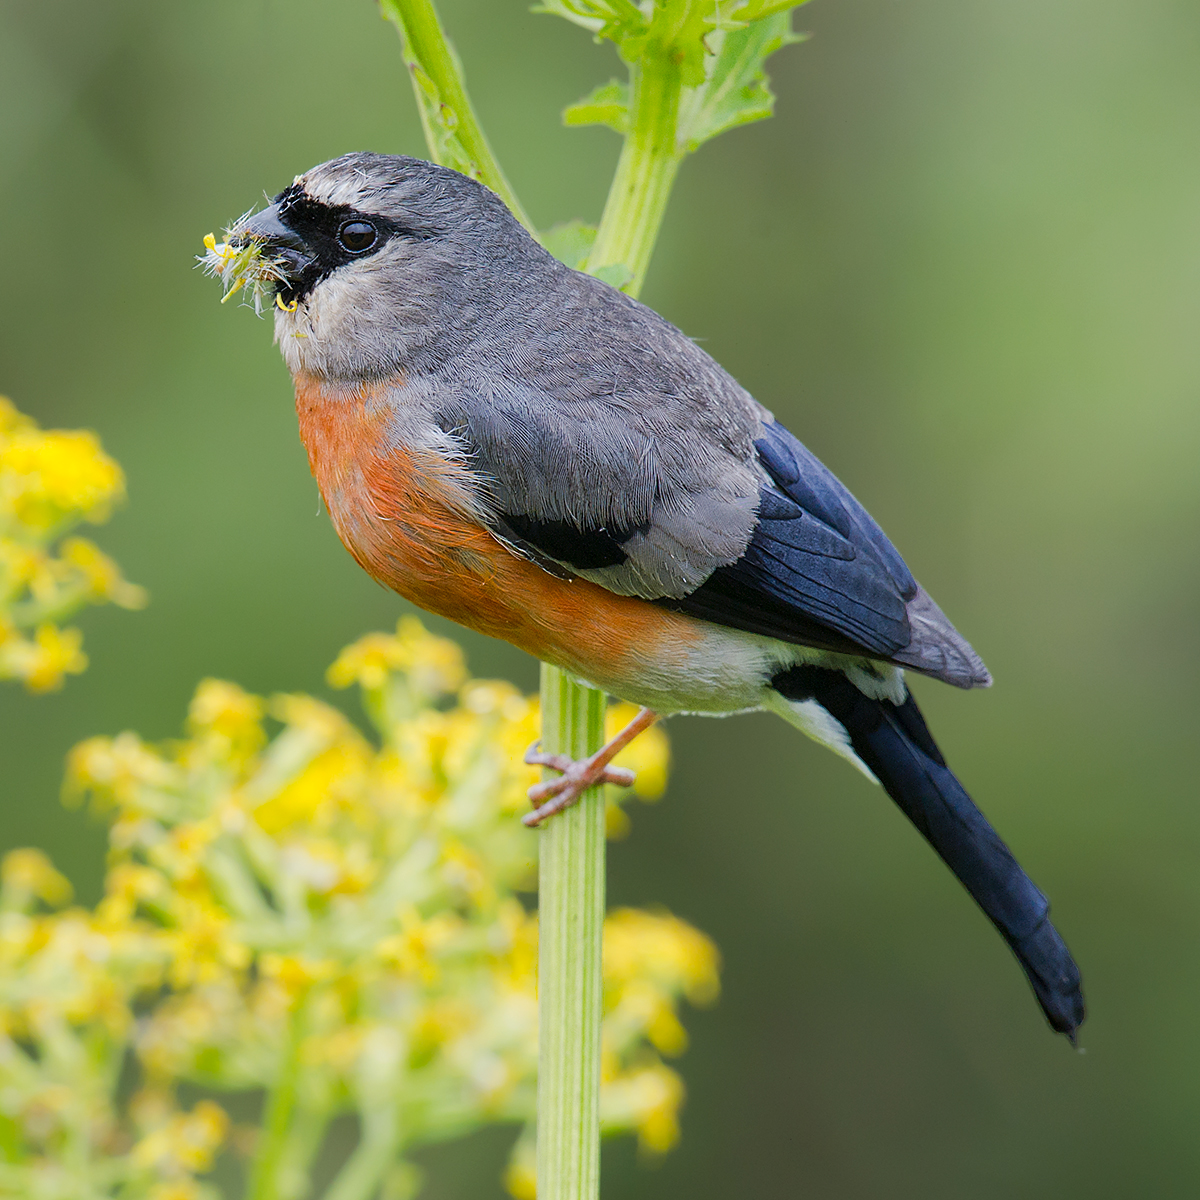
x: 427, y: 49
x: 649, y: 162
x: 304, y: 1142
x: 570, y: 929
x: 270, y: 1157
x: 572, y: 857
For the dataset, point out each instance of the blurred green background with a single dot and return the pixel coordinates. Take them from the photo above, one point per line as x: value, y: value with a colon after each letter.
x: 963, y: 264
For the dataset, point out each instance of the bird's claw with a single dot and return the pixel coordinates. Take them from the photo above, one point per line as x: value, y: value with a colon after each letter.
x: 577, y: 775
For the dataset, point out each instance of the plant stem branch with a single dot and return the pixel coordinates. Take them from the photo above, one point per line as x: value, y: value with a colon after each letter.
x: 270, y: 1158
x: 649, y: 162
x: 447, y: 111
x: 363, y: 1171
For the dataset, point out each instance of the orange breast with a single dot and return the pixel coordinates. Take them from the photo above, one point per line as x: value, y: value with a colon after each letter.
x: 406, y: 516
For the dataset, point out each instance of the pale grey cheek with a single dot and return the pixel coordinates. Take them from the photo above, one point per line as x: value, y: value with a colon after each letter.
x: 341, y: 330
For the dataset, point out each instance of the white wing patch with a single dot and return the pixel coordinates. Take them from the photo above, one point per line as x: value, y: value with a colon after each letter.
x: 819, y: 724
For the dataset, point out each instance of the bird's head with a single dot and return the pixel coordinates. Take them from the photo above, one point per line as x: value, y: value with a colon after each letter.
x: 377, y: 261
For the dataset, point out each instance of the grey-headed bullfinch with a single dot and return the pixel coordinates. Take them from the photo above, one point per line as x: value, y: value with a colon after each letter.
x: 524, y: 449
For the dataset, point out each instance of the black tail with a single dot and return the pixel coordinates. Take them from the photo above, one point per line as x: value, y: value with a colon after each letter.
x: 896, y: 744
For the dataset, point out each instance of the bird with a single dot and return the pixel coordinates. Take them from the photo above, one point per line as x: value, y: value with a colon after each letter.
x: 522, y: 448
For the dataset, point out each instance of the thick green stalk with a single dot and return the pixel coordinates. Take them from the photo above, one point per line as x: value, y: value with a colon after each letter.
x: 572, y: 857
x: 570, y: 928
x: 446, y: 112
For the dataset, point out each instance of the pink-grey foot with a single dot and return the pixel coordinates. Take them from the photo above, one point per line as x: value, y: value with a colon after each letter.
x: 577, y: 775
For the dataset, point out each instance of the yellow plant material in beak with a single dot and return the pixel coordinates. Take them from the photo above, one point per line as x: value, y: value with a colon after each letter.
x: 241, y: 265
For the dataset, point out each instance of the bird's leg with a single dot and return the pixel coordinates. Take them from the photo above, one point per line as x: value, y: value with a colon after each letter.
x: 578, y: 775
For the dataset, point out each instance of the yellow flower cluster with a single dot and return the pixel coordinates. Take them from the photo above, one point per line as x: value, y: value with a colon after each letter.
x: 50, y: 480
x: 333, y: 920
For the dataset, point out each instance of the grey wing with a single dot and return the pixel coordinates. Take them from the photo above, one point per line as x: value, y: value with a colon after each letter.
x: 624, y: 455
x: 610, y: 444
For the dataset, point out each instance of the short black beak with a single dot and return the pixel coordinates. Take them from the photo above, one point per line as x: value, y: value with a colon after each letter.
x: 286, y: 246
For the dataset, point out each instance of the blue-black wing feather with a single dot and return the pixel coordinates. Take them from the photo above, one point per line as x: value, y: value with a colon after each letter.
x: 817, y: 571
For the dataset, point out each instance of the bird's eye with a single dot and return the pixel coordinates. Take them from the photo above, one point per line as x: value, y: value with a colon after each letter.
x: 357, y: 236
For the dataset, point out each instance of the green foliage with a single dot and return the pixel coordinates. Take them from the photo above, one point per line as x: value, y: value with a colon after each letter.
x: 735, y: 90
x: 724, y: 78
x: 572, y: 243
x: 606, y: 105
x: 439, y: 119
x: 696, y: 69
x: 684, y: 31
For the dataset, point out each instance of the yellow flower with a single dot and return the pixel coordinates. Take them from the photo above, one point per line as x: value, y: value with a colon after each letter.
x: 367, y: 662
x: 49, y: 481
x: 303, y: 907
x: 520, y: 1176
x: 118, y: 771
x: 27, y: 875
x: 296, y: 973
x: 176, y: 1189
x: 246, y: 266
x: 23, y: 566
x: 434, y: 666
x: 440, y: 1022
x: 187, y: 1142
x: 663, y: 949
x: 414, y: 950
x: 332, y: 778
x: 225, y: 710
x: 44, y: 662
x: 101, y: 575
x: 12, y: 420
x: 652, y: 1096
x: 51, y: 474
x: 487, y: 697
x: 204, y: 946
x: 127, y: 886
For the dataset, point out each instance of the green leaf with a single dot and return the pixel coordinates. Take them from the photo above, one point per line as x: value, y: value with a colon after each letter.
x: 571, y: 242
x: 753, y: 10
x: 616, y: 20
x: 607, y: 105
x: 718, y: 47
x: 735, y: 91
x: 618, y: 275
